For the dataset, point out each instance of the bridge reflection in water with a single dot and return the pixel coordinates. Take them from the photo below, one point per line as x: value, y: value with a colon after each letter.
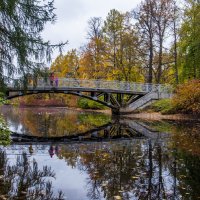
x: 61, y: 125
x: 150, y: 165
x: 118, y: 129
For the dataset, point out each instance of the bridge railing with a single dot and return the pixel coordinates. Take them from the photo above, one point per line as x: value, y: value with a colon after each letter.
x: 63, y: 83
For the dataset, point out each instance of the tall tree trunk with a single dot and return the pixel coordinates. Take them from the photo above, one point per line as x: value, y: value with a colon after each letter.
x: 175, y: 46
x: 160, y: 61
x: 150, y: 73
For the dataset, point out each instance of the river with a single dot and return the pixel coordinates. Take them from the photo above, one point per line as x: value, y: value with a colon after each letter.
x: 59, y: 153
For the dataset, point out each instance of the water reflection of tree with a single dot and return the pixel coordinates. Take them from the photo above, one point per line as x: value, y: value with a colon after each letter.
x: 139, y: 170
x: 189, y: 173
x: 54, y: 122
x: 24, y: 180
x: 12, y: 116
x: 186, y: 142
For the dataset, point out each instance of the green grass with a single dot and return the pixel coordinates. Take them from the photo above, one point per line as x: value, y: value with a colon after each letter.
x: 164, y: 106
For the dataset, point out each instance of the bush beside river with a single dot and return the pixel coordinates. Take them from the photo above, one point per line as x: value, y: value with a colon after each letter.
x: 4, y: 132
x: 186, y: 100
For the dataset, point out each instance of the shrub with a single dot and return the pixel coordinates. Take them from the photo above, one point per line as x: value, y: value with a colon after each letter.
x: 4, y: 133
x: 89, y: 104
x: 187, y: 97
x: 83, y: 103
x: 164, y: 106
x: 2, y: 100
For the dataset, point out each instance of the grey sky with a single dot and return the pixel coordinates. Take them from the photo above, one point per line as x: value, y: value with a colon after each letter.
x: 73, y: 15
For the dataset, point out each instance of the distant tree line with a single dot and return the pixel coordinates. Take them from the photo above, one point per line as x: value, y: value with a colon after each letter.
x: 157, y: 42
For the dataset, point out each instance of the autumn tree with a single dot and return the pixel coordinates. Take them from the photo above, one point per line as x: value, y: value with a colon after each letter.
x: 112, y: 30
x: 128, y: 56
x: 63, y: 66
x: 153, y: 23
x: 122, y: 42
x: 92, y: 59
x: 66, y: 64
x: 162, y: 14
x: 146, y: 29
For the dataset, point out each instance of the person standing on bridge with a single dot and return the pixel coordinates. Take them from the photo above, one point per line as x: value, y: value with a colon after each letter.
x: 51, y: 77
x: 56, y: 81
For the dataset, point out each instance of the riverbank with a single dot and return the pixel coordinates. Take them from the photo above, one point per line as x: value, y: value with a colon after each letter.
x: 158, y: 116
x: 146, y: 115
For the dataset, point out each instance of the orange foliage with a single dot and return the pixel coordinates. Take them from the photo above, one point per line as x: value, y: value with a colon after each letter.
x: 187, y: 98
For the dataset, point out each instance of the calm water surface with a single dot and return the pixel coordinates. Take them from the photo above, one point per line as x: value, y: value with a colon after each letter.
x: 64, y: 154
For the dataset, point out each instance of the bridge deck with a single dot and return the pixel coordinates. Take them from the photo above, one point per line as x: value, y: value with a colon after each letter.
x: 64, y: 84
x: 49, y: 89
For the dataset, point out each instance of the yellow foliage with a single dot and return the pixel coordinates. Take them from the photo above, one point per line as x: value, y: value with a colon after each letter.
x: 64, y: 65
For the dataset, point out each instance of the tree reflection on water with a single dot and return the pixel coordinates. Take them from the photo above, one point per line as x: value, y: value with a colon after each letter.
x: 141, y: 170
x: 24, y: 180
x: 122, y: 159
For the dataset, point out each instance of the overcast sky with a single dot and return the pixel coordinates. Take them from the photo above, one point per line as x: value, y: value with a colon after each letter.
x: 73, y: 15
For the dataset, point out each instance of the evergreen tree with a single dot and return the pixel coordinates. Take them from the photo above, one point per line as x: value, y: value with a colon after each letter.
x: 22, y: 49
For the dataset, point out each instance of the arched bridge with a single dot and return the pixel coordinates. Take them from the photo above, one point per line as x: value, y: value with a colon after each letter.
x: 122, y: 97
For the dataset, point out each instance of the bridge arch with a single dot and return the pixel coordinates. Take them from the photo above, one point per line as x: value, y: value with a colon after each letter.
x: 80, y: 94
